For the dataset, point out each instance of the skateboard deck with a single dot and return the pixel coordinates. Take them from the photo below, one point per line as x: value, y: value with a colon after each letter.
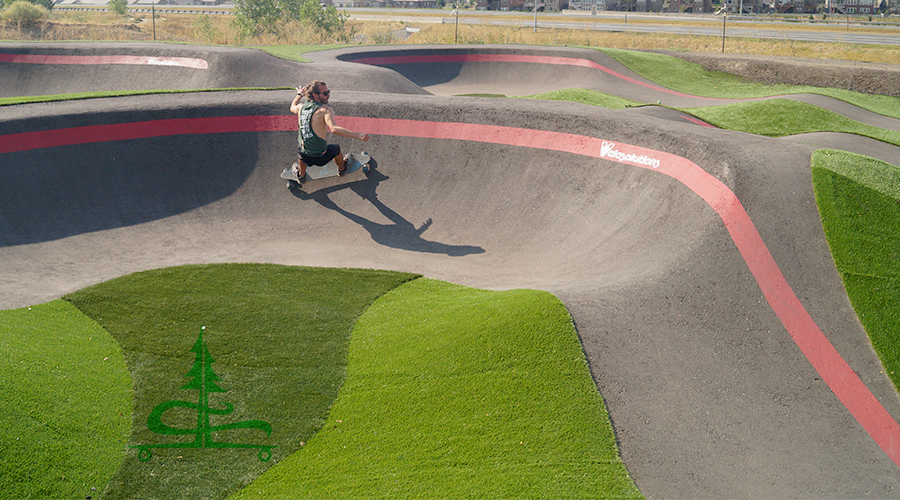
x: 355, y: 161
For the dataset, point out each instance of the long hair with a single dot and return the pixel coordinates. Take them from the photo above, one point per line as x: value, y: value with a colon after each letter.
x: 309, y: 89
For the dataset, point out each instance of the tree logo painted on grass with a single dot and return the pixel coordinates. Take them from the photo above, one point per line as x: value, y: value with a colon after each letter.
x: 203, y: 379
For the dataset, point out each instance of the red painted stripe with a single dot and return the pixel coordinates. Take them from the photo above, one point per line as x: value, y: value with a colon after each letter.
x: 516, y: 58
x: 698, y: 121
x: 138, y: 130
x: 184, y: 62
x: 835, y: 372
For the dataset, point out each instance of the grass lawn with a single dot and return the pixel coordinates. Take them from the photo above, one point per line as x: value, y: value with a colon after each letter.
x: 295, y: 52
x: 859, y: 201
x: 771, y: 117
x: 781, y: 117
x: 690, y: 78
x: 586, y: 96
x: 65, y: 403
x: 582, y: 96
x: 278, y: 336
x: 450, y: 392
x: 454, y: 392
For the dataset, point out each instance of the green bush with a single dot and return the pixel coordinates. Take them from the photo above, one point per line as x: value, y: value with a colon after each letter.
x: 118, y: 6
x: 25, y: 13
x: 44, y: 3
x: 273, y: 17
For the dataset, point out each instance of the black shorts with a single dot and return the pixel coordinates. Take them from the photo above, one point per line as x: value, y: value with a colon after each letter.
x: 330, y: 152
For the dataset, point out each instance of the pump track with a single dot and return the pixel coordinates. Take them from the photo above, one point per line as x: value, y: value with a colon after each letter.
x: 692, y: 259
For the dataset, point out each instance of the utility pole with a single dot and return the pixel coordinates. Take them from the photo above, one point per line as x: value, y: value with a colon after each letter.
x: 724, y: 18
x: 456, y: 40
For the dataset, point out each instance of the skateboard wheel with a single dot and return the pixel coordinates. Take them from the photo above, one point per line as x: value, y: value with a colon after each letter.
x: 290, y: 185
x: 365, y: 168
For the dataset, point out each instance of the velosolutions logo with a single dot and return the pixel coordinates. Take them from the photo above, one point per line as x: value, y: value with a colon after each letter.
x: 608, y: 150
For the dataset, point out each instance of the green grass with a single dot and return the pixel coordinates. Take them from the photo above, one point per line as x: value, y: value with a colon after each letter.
x: 690, y: 78
x: 781, y: 117
x: 859, y: 201
x: 278, y: 336
x: 453, y: 392
x: 586, y: 96
x: 771, y: 117
x: 450, y: 392
x: 65, y: 397
x: 295, y: 52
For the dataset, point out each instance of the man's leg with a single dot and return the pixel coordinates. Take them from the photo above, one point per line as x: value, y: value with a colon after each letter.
x: 301, y: 168
x: 339, y: 161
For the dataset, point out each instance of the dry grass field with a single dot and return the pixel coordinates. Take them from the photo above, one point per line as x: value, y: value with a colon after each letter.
x: 217, y: 29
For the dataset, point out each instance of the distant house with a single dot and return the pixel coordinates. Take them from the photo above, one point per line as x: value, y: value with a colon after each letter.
x: 503, y: 5
x: 414, y: 4
x: 547, y: 5
x: 795, y: 6
x: 695, y: 6
x: 635, y: 5
x: 749, y: 6
x: 340, y: 4
x: 642, y: 5
x: 852, y: 6
x: 587, y: 4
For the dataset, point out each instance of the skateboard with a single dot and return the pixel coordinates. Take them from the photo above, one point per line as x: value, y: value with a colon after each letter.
x: 354, y: 162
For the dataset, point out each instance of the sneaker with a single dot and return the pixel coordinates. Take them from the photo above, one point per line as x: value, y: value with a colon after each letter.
x: 295, y: 169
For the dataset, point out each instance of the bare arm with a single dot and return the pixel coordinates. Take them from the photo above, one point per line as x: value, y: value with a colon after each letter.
x: 295, y: 106
x: 338, y: 130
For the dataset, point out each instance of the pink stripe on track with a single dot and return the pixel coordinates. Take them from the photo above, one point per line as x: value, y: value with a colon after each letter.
x: 835, y: 372
x: 25, y: 141
x: 698, y: 121
x: 184, y: 62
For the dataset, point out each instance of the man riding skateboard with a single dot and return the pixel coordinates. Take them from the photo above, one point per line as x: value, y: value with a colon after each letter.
x: 315, y: 119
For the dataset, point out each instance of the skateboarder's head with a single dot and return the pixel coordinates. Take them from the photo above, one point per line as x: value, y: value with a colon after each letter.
x: 316, y: 91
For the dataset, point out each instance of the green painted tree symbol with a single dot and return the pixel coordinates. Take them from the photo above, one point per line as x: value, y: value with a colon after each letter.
x: 203, y: 379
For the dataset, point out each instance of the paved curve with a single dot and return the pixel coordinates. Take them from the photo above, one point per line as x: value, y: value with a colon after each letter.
x: 709, y: 394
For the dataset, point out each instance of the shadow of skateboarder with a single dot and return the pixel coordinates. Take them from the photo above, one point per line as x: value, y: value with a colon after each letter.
x: 400, y: 234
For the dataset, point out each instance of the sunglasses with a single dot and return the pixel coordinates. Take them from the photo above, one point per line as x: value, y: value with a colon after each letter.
x: 326, y: 93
